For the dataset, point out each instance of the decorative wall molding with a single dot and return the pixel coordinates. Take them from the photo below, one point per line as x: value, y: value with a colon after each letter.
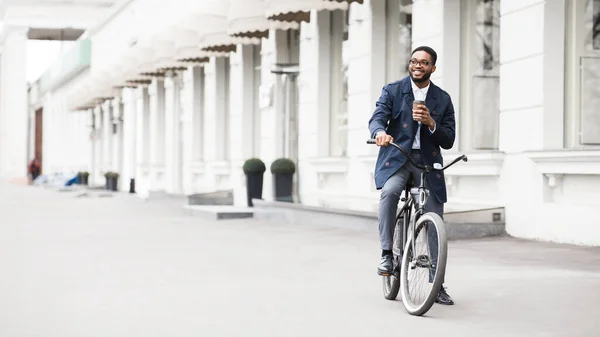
x: 567, y: 162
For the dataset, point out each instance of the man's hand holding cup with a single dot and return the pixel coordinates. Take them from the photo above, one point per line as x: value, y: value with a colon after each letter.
x: 421, y: 114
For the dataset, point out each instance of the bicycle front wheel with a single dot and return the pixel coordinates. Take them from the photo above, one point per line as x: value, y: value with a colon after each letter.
x: 423, y: 264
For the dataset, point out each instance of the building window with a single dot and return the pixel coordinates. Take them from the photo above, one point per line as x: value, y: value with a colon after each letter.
x: 398, y: 38
x: 594, y: 9
x: 480, y: 78
x: 405, y: 35
x: 339, y: 83
x: 582, y: 115
x: 488, y: 35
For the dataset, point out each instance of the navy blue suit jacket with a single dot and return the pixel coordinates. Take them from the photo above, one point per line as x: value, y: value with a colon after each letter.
x: 393, y: 113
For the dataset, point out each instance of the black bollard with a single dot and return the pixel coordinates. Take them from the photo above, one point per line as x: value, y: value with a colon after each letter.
x: 132, y: 185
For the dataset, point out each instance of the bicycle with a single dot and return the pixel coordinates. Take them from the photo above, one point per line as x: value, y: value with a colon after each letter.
x: 414, y: 201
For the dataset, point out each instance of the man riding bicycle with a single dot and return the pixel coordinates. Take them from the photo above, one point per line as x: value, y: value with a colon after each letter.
x: 424, y: 128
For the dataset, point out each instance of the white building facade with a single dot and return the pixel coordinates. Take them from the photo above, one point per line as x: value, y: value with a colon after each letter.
x: 179, y: 94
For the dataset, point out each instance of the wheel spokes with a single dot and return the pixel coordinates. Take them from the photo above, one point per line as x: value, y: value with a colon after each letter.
x: 421, y: 269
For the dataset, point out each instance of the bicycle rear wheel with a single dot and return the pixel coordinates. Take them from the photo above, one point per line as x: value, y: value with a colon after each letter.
x: 391, y: 283
x: 423, y: 268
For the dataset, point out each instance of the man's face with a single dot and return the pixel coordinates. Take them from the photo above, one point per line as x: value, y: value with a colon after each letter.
x: 420, y: 66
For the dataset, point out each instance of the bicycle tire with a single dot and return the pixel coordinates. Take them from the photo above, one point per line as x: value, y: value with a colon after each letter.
x: 422, y: 308
x: 391, y: 283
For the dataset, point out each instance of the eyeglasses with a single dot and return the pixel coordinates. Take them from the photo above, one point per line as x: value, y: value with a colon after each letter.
x: 424, y: 63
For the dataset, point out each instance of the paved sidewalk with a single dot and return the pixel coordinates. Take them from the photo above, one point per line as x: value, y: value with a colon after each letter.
x: 123, y: 267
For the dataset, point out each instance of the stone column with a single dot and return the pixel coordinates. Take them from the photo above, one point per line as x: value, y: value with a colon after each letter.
x: 129, y: 138
x: 543, y: 106
x: 107, y: 128
x: 366, y: 77
x: 198, y: 113
x: 531, y: 111
x: 216, y: 131
x: 156, y: 91
x: 142, y: 136
x: 13, y: 102
x: 192, y: 103
x: 169, y: 127
x: 187, y: 107
x: 244, y: 118
x: 177, y: 135
x: 93, y: 149
x: 99, y: 143
x: 173, y: 133
x: 367, y: 71
x: 115, y: 104
x: 315, y: 88
x: 118, y: 160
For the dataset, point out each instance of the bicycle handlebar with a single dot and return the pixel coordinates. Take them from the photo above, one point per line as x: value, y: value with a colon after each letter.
x: 426, y: 168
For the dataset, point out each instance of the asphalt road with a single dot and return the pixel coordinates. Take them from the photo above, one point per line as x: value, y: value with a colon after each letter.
x: 119, y: 266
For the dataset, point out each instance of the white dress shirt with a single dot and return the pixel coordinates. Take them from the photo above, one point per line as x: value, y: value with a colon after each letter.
x: 420, y: 94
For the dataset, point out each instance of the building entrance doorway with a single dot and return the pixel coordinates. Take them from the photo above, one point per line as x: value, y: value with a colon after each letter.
x: 38, y: 141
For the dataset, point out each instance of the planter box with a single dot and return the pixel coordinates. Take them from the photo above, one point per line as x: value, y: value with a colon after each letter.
x: 283, y: 184
x: 111, y: 183
x: 254, y: 187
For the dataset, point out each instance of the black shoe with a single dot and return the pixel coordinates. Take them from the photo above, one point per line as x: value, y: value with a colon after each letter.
x: 385, y: 266
x: 444, y: 298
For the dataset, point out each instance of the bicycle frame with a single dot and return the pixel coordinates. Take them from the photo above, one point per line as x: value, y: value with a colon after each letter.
x: 421, y: 191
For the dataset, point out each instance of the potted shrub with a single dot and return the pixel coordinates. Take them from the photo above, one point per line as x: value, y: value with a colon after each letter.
x: 111, y: 180
x: 254, y: 169
x: 283, y: 170
x: 83, y: 177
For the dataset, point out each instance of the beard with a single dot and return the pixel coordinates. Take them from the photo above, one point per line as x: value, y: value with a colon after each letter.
x: 423, y: 79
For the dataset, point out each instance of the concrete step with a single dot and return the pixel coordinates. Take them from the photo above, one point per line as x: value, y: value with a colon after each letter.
x: 81, y: 191
x: 215, y: 198
x: 474, y: 221
x: 212, y: 212
x: 460, y: 224
x: 94, y: 194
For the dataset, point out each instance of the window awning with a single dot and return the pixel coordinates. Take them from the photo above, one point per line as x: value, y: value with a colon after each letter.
x: 246, y: 21
x: 124, y: 70
x: 137, y: 60
x: 175, y: 36
x: 100, y: 85
x: 78, y: 98
x: 187, y: 43
x: 159, y: 39
x: 212, y: 15
x: 75, y: 98
x: 299, y: 10
x: 187, y: 26
x: 86, y: 94
x: 348, y: 1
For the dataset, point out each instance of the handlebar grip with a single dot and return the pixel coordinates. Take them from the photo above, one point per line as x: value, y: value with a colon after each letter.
x: 371, y: 141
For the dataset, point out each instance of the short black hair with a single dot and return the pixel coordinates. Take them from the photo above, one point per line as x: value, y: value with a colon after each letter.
x: 428, y: 50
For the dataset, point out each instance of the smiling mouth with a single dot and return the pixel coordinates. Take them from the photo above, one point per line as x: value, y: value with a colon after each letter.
x: 417, y: 72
